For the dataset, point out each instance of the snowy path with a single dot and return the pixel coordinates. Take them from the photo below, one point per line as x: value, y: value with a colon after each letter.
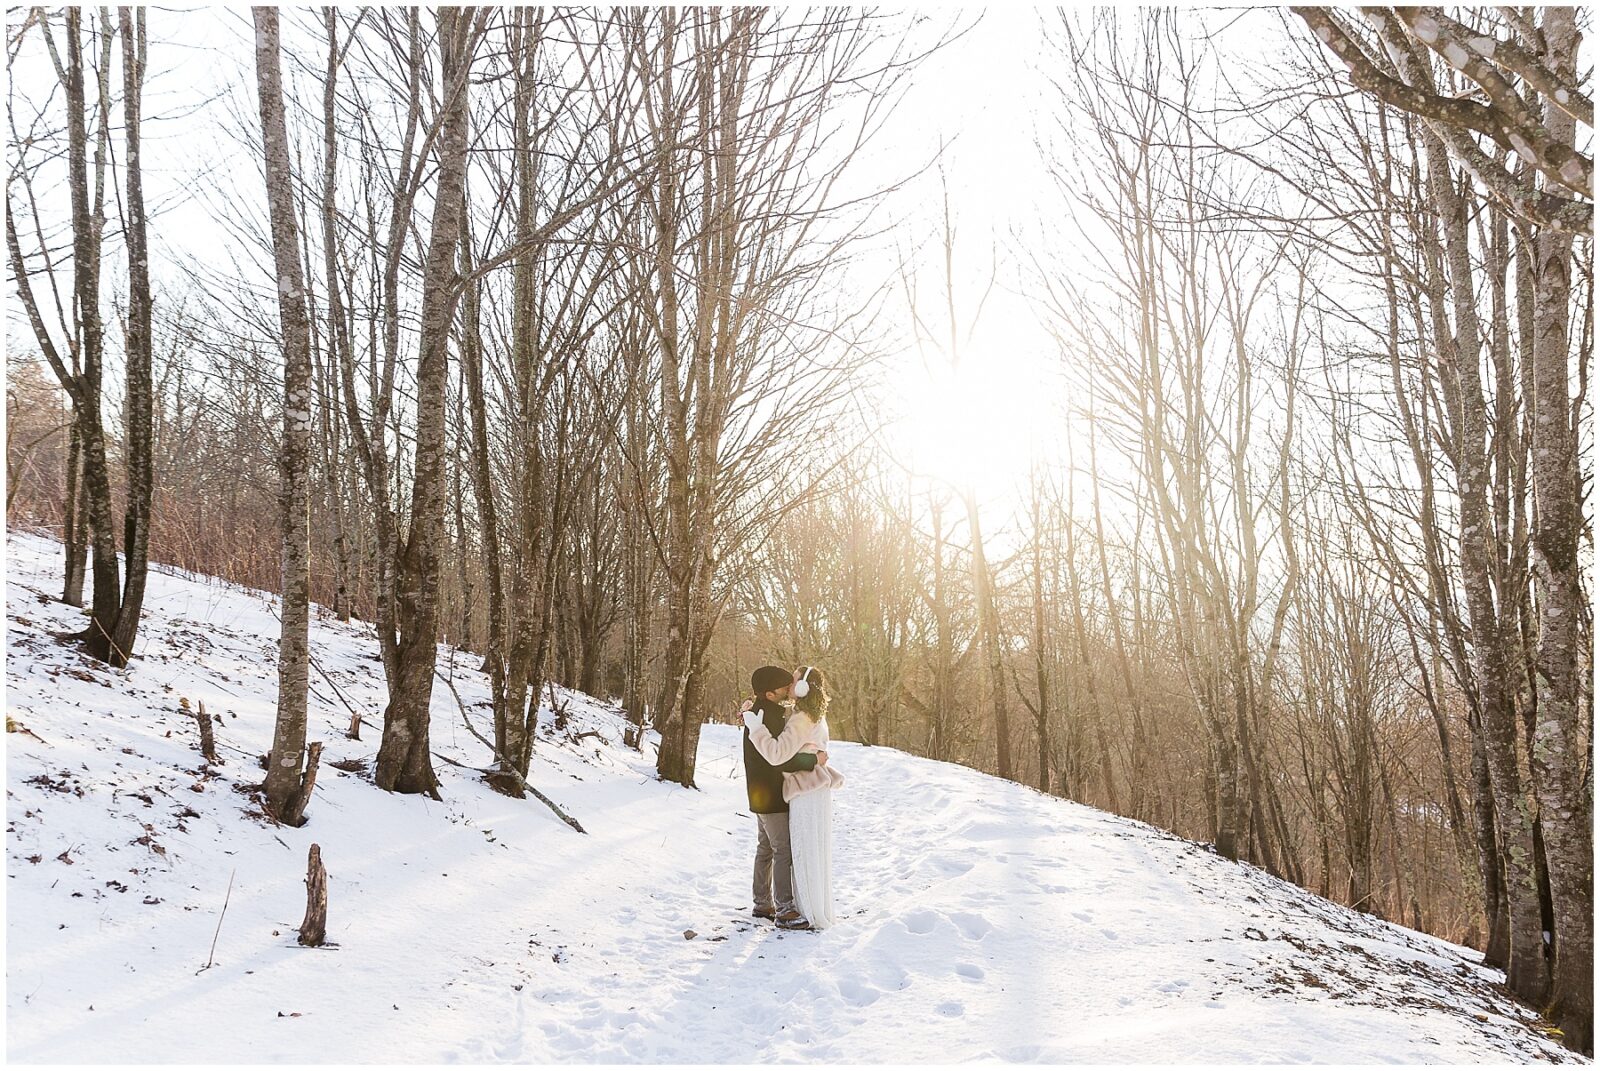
x: 1002, y: 924
x: 980, y: 919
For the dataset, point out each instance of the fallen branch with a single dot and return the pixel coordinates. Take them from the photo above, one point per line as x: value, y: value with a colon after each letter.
x: 506, y: 767
x: 17, y: 727
x: 225, y: 898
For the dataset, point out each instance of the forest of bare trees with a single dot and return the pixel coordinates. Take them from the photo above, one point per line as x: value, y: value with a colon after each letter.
x: 537, y: 339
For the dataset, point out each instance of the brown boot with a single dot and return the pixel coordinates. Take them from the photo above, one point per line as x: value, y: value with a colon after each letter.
x: 793, y: 920
x: 764, y: 913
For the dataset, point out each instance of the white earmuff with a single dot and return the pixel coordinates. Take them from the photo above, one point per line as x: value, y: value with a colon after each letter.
x: 801, y: 687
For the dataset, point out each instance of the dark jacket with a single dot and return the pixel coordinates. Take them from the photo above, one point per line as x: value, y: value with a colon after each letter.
x: 762, y: 780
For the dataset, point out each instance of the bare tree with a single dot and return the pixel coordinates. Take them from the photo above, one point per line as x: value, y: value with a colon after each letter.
x: 405, y: 763
x: 138, y: 402
x: 285, y: 792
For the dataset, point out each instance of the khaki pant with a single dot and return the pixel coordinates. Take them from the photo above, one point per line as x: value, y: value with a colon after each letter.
x: 774, y: 878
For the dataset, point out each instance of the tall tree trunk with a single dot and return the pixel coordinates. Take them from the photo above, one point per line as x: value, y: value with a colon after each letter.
x: 405, y: 763
x: 107, y: 590
x: 1459, y: 351
x: 139, y: 403
x: 339, y: 345
x: 283, y: 782
x: 675, y: 449
x: 1562, y: 729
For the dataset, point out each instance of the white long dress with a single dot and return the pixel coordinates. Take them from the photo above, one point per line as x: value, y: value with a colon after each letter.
x: 811, y: 842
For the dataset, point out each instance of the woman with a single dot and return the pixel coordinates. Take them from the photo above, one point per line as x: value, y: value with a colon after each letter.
x: 809, y: 794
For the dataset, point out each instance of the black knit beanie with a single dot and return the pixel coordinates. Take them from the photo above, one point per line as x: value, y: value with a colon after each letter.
x: 770, y: 679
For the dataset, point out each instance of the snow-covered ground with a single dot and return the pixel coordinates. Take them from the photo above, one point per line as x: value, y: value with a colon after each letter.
x: 981, y: 920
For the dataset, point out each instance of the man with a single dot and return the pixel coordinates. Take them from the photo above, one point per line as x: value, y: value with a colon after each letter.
x: 774, y: 881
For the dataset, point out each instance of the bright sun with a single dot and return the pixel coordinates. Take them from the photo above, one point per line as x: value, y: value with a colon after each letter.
x: 982, y: 424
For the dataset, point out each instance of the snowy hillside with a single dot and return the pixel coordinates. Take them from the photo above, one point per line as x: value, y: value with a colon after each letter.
x: 980, y: 918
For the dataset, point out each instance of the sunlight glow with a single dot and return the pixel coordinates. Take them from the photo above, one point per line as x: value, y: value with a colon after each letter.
x: 980, y: 425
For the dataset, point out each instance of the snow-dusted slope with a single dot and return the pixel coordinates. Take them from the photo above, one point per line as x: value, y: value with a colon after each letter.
x: 981, y: 919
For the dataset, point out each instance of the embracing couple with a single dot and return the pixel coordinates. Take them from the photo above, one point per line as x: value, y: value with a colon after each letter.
x: 791, y: 783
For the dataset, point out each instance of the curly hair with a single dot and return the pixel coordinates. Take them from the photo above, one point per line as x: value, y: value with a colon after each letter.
x: 814, y: 704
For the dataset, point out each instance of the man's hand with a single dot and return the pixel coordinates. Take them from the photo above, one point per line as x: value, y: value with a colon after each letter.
x: 822, y: 758
x: 748, y: 704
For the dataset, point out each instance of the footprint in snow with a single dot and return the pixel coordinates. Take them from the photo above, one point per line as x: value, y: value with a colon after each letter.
x: 972, y: 927
x: 951, y: 1009
x: 857, y: 993
x: 886, y: 977
x: 969, y: 972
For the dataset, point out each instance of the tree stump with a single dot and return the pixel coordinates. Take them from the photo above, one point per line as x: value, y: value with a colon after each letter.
x: 208, y: 742
x: 314, y: 930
